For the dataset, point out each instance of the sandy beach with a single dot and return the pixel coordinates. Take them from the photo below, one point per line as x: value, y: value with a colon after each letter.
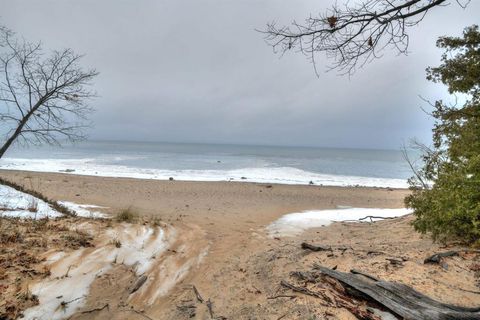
x: 243, y: 265
x: 233, y: 205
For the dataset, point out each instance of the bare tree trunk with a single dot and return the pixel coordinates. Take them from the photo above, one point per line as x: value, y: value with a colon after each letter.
x: 19, y: 128
x: 14, y: 136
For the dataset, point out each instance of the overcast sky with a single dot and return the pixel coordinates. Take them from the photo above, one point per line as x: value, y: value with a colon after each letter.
x: 197, y: 71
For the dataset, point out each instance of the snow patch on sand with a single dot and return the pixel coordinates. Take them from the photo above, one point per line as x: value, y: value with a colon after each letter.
x: 72, y: 273
x: 185, y: 254
x: 140, y: 245
x: 14, y: 203
x: 84, y: 210
x: 17, y: 204
x: 171, y: 272
x: 294, y: 224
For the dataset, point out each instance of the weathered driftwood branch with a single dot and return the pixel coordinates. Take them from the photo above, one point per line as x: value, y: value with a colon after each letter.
x: 437, y: 257
x: 395, y: 262
x: 371, y: 218
x: 95, y: 309
x: 377, y: 217
x: 197, y: 294
x: 140, y: 281
x: 339, y: 300
x: 401, y: 299
x: 210, y: 308
x: 306, y: 291
x: 308, y: 246
x: 281, y: 296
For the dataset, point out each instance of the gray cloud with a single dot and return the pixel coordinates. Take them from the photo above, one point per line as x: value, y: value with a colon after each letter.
x: 196, y: 71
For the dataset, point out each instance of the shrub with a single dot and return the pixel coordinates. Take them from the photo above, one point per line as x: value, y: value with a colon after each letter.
x: 446, y: 190
x: 127, y: 215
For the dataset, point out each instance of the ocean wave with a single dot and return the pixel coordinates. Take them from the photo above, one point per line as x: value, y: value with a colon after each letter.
x: 280, y: 175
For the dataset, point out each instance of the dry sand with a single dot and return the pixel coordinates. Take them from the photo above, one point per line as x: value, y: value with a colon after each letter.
x: 244, y: 267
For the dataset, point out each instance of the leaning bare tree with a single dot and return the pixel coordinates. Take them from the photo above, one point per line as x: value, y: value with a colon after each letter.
x: 43, y: 98
x: 354, y: 33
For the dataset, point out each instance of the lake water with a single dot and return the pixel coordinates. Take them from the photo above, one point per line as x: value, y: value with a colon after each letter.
x: 212, y: 162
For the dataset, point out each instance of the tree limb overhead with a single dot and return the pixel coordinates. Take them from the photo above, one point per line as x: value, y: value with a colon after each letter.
x: 354, y: 33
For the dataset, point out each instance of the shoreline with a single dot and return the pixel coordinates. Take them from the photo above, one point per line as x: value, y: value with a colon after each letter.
x: 279, y: 174
x: 231, y: 181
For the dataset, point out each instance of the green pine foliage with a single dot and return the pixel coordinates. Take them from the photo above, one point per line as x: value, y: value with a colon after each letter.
x: 446, y: 190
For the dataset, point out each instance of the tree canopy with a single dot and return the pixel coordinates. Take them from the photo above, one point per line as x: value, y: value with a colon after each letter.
x: 446, y: 190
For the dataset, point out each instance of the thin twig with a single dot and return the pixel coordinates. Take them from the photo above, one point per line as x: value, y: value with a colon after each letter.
x: 96, y: 309
x: 282, y: 296
x: 197, y: 294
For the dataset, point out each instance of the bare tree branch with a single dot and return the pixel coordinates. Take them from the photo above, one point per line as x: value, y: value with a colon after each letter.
x: 42, y: 100
x: 353, y: 34
x: 413, y: 167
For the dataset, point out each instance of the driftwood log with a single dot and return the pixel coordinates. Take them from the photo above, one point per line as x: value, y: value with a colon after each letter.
x: 308, y: 246
x: 402, y: 300
x: 437, y: 257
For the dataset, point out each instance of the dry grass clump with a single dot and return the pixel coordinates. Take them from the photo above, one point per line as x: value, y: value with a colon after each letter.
x: 22, y: 243
x: 39, y: 225
x: 116, y: 242
x: 127, y: 215
x: 17, y: 266
x: 11, y: 236
x: 78, y: 239
x: 156, y: 221
x: 26, y: 295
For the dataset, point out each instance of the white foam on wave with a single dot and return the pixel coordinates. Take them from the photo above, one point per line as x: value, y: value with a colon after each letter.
x: 293, y: 224
x: 280, y: 175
